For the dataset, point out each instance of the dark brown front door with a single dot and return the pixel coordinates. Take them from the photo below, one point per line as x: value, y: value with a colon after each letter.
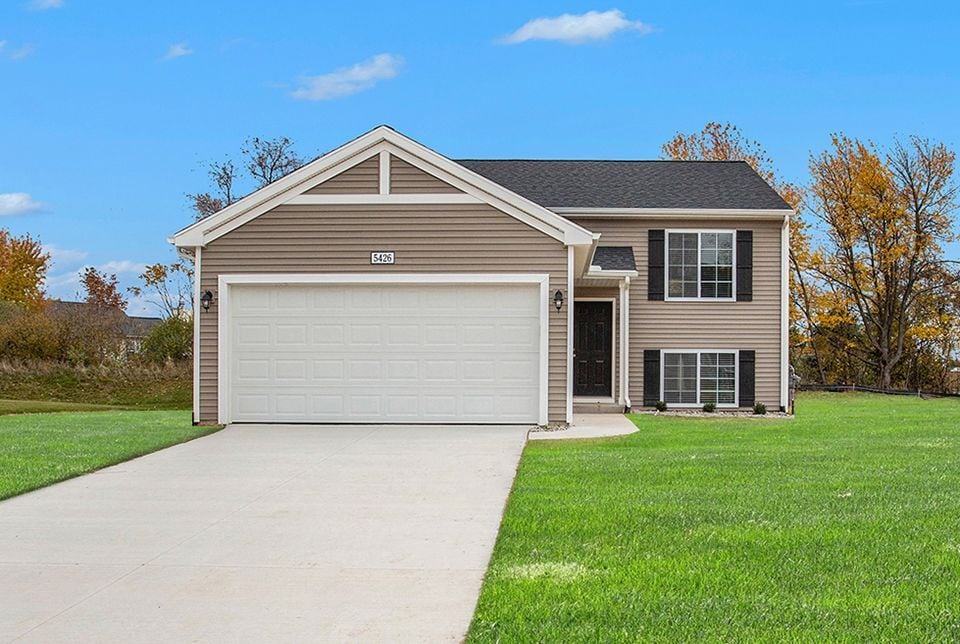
x: 592, y: 342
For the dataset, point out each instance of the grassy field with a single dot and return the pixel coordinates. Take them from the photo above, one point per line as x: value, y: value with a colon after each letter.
x: 842, y: 524
x: 39, y: 449
x: 126, y: 385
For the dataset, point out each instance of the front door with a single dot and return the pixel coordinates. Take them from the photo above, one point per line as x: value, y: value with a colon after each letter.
x: 592, y: 348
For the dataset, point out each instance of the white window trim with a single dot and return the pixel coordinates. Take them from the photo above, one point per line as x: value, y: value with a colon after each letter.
x: 736, y: 377
x: 613, y: 350
x: 666, y: 264
x: 226, y: 281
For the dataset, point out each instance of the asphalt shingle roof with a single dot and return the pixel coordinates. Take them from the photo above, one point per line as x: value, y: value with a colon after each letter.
x: 631, y: 184
x: 614, y: 258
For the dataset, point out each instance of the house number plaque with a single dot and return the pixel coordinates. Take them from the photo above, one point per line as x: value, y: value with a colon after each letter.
x: 382, y: 257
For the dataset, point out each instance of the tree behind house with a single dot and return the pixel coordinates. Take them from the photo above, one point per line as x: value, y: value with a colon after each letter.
x: 265, y: 161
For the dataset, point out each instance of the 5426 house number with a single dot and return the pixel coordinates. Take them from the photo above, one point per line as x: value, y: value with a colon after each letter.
x: 382, y: 257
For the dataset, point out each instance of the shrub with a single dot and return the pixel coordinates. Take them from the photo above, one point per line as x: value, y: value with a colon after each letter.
x: 759, y: 408
x: 709, y: 407
x: 661, y: 406
x: 27, y: 334
x: 172, y: 339
x: 88, y: 335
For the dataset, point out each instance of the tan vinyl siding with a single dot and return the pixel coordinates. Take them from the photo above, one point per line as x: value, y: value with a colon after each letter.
x: 704, y: 325
x: 409, y: 179
x: 426, y: 238
x: 606, y: 292
x: 361, y: 179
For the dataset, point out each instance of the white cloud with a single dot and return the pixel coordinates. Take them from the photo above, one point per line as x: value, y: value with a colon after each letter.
x: 575, y: 29
x: 177, y: 50
x: 17, y: 203
x: 64, y: 257
x: 349, y: 80
x: 21, y: 53
x: 42, y: 5
x: 121, y: 266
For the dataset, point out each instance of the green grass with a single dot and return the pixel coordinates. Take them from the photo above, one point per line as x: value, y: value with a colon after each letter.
x: 40, y: 449
x: 45, y: 406
x: 842, y: 524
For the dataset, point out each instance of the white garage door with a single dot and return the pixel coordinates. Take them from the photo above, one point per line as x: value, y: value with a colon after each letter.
x: 384, y: 353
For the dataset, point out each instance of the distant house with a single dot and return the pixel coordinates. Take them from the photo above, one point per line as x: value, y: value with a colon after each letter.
x: 134, y: 328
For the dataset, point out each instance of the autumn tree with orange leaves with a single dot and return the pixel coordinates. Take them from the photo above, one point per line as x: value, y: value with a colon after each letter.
x: 885, y: 216
x: 23, y: 267
x: 102, y: 290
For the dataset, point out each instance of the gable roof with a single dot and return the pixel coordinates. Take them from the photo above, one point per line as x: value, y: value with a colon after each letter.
x: 382, y: 139
x: 730, y: 185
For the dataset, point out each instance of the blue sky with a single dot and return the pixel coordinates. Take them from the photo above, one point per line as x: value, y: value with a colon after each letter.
x: 110, y: 109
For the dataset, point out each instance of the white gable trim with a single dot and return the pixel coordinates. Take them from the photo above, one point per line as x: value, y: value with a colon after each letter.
x: 376, y: 141
x: 388, y: 199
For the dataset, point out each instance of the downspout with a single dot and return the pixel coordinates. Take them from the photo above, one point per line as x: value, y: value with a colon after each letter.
x: 625, y: 342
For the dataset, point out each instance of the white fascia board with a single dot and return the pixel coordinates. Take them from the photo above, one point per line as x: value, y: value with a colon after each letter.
x: 602, y: 274
x: 670, y: 213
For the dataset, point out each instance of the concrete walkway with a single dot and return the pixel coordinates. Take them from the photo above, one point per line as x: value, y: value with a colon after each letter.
x: 590, y: 426
x: 269, y: 533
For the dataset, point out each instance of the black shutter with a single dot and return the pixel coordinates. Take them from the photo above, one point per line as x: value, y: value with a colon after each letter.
x: 748, y: 380
x: 651, y: 377
x: 744, y: 265
x: 655, y: 263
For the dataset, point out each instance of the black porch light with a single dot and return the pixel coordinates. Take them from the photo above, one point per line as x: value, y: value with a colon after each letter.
x: 206, y: 299
x: 558, y: 299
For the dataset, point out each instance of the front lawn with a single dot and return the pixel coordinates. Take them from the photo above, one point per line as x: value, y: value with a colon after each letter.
x: 841, y: 524
x: 40, y: 449
x: 45, y: 406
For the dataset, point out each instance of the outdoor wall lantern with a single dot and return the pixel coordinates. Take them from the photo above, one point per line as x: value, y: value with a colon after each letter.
x: 206, y: 299
x: 558, y: 299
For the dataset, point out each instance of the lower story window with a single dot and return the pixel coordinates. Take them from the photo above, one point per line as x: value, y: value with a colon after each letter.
x: 700, y: 377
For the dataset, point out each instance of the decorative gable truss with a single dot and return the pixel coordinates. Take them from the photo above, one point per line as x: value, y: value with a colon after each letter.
x: 385, y: 167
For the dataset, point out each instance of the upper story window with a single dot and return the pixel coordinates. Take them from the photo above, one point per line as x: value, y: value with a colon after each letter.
x: 700, y: 265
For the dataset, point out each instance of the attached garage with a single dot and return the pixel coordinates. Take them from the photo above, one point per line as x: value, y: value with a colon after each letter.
x: 383, y: 283
x: 358, y: 349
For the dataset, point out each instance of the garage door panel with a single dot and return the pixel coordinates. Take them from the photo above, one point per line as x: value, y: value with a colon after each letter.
x: 384, y: 353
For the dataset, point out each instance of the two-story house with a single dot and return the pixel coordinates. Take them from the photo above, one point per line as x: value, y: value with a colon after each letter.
x: 386, y: 283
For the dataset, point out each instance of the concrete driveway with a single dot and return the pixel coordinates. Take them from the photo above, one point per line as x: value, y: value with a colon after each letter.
x: 263, y: 533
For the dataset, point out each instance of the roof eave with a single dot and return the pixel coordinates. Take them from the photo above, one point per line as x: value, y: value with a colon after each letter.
x: 671, y: 213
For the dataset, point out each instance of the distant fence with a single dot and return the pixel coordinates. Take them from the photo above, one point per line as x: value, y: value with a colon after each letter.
x: 876, y: 390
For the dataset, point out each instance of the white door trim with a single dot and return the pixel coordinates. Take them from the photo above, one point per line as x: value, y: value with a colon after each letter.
x: 225, y: 281
x: 613, y: 349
